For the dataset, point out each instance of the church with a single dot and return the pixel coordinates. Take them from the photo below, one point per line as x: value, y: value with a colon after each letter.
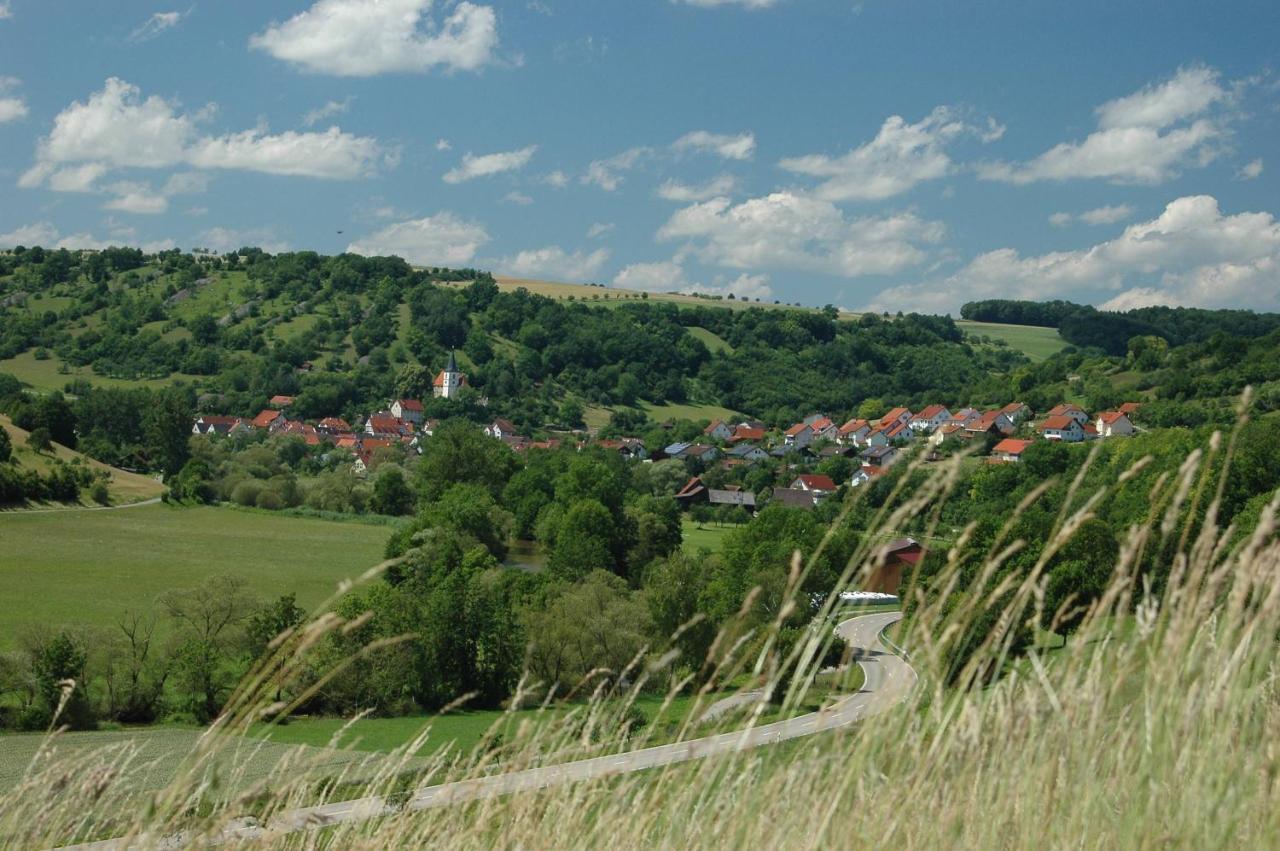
x: 449, y: 384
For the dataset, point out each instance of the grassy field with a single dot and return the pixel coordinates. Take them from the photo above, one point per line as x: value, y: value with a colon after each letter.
x: 659, y: 413
x: 46, y: 375
x: 710, y: 339
x: 698, y: 536
x: 88, y: 567
x: 124, y: 487
x: 1035, y: 342
x: 611, y: 296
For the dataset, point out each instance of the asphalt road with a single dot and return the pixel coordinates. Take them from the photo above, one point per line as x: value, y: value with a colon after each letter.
x: 889, y: 679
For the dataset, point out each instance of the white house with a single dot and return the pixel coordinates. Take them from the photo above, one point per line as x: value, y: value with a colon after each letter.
x: 897, y: 415
x: 718, y: 430
x: 1066, y: 409
x: 407, y: 409
x: 1113, y: 424
x: 1064, y: 427
x: 501, y: 429
x: 930, y: 419
x: 854, y: 432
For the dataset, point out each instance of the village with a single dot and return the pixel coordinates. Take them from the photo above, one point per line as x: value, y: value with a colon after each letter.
x: 999, y: 436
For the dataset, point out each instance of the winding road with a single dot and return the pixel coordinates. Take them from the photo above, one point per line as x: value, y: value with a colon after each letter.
x: 889, y: 679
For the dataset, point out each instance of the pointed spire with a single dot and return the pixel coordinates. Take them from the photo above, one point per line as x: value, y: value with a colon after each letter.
x: 453, y: 363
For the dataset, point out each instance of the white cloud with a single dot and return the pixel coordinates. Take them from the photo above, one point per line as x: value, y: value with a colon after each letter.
x: 41, y: 233
x: 361, y: 38
x: 155, y: 25
x: 439, y: 240
x: 330, y: 109
x: 1191, y: 254
x: 1250, y: 171
x: 901, y: 156
x: 490, y: 164
x: 674, y: 190
x: 607, y: 173
x: 670, y: 276
x: 46, y: 235
x: 5, y: 10
x: 518, y: 198
x: 600, y: 229
x: 556, y: 180
x: 739, y: 147
x: 223, y: 240
x: 791, y: 231
x: 142, y: 199
x: 118, y: 128
x: 79, y: 178
x: 1098, y: 216
x: 332, y: 154
x: 1146, y: 137
x: 12, y: 107
x: 555, y: 263
x: 443, y: 145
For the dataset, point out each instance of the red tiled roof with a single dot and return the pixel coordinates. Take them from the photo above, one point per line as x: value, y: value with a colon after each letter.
x: 1058, y: 422
x: 821, y: 424
x: 930, y: 412
x: 1110, y: 417
x: 1064, y: 409
x: 265, y: 419
x: 410, y: 404
x: 796, y: 429
x: 816, y: 482
x: 854, y: 425
x: 1130, y: 407
x: 715, y: 424
x: 1011, y: 446
x: 896, y: 413
x: 1012, y: 408
x: 746, y: 432
x: 281, y: 401
x: 334, y: 424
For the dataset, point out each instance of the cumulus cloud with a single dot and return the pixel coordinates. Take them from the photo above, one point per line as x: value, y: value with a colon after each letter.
x: 155, y: 25
x: 118, y: 128
x: 142, y: 199
x: 1098, y: 216
x: 730, y: 147
x: 607, y: 173
x: 674, y: 190
x: 518, y: 198
x: 901, y: 156
x: 556, y: 179
x: 600, y: 229
x: 439, y: 240
x: 12, y: 107
x: 792, y: 231
x: 1146, y: 137
x: 555, y: 263
x: 329, y: 110
x: 669, y: 276
x: 1191, y: 254
x: 45, y: 234
x: 361, y: 38
x: 489, y: 164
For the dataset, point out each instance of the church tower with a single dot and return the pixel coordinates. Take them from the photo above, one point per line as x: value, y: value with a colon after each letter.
x: 448, y: 383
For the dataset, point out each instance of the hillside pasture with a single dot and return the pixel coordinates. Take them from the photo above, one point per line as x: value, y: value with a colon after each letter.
x: 89, y: 567
x: 1035, y: 342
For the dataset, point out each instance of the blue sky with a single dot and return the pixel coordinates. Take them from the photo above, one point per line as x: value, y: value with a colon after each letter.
x: 891, y: 154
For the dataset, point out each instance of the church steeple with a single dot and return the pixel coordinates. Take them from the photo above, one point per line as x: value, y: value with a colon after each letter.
x: 450, y: 381
x: 453, y: 363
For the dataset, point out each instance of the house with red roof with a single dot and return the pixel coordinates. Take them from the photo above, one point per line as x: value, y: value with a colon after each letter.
x: 814, y: 482
x: 854, y: 432
x: 268, y: 419
x: 799, y: 435
x: 745, y: 431
x: 991, y: 422
x: 1067, y: 409
x: 930, y: 419
x: 897, y: 415
x: 718, y: 430
x: 407, y: 409
x: 1114, y: 424
x: 281, y: 402
x: 332, y: 426
x: 1016, y: 412
x: 1062, y: 427
x: 864, y: 474
x: 1129, y: 408
x: 1009, y: 450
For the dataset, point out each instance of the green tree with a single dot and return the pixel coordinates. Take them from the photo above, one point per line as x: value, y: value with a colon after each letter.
x: 208, y: 622
x: 6, y: 446
x: 391, y: 493
x: 584, y: 541
x: 39, y: 440
x: 168, y: 430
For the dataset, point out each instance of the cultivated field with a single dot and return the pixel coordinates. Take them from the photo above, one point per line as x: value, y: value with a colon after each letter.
x: 1035, y: 342
x: 89, y: 567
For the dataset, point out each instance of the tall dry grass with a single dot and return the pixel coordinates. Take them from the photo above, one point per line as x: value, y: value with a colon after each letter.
x: 1158, y: 725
